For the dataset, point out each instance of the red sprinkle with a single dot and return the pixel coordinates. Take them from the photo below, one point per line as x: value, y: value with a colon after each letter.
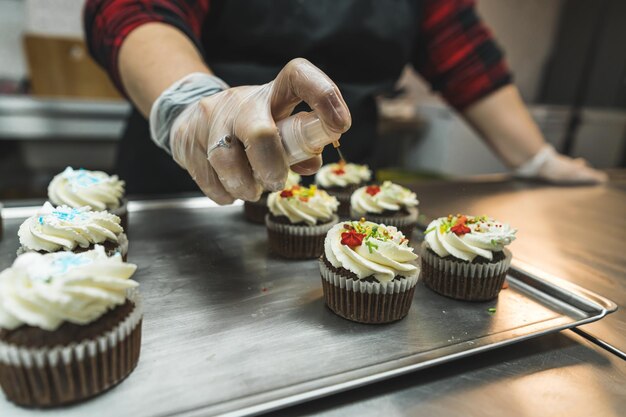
x: 286, y: 193
x: 460, y: 228
x: 352, y: 238
x: 372, y: 190
x: 339, y: 171
x: 264, y: 289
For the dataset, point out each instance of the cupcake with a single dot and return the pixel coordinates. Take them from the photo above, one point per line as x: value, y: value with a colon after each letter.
x: 464, y: 257
x: 298, y: 220
x: 340, y: 180
x: 72, y: 229
x: 96, y: 189
x: 255, y: 211
x: 70, y: 326
x: 369, y: 272
x: 389, y: 204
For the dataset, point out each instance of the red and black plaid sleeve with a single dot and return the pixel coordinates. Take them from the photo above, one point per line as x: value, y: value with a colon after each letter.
x: 456, y: 53
x: 108, y: 22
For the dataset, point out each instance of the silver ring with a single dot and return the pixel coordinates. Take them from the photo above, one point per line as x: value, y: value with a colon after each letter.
x: 224, y: 142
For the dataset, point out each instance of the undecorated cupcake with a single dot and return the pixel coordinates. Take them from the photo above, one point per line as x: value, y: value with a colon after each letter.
x: 369, y: 272
x: 298, y: 220
x: 72, y: 229
x: 77, y: 188
x: 340, y: 180
x: 255, y: 211
x: 70, y: 326
x: 464, y: 257
x: 389, y: 204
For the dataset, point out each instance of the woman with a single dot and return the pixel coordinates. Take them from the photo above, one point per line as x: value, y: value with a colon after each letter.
x: 215, y: 76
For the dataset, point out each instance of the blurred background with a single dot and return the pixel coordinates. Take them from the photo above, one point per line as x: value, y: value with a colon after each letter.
x: 57, y: 108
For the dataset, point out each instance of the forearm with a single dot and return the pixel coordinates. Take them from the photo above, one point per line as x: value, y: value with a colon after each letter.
x: 503, y: 121
x: 152, y: 58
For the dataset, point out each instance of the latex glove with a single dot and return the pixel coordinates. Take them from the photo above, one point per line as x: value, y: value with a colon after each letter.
x: 229, y: 142
x: 553, y: 167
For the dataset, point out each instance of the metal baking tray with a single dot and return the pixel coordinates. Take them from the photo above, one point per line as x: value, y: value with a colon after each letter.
x: 230, y: 329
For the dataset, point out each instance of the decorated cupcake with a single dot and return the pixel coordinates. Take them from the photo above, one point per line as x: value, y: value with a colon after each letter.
x: 72, y: 229
x: 96, y: 189
x: 389, y: 204
x: 70, y: 326
x: 464, y: 257
x: 255, y: 211
x: 298, y: 220
x: 368, y: 272
x: 340, y: 180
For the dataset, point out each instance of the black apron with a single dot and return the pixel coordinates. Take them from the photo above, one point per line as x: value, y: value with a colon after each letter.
x: 362, y: 45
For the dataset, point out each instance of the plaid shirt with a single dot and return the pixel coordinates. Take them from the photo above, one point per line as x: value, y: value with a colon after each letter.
x: 455, y: 52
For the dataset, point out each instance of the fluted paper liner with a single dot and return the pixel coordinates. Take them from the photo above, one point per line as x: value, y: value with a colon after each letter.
x: 48, y: 377
x: 367, y: 302
x: 297, y: 242
x: 464, y: 280
x: 405, y: 224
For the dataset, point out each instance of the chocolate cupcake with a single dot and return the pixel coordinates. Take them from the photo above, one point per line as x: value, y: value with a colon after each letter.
x: 70, y: 229
x: 298, y: 220
x: 255, y: 211
x: 70, y: 326
x: 96, y: 189
x: 369, y: 272
x: 464, y: 257
x: 340, y: 180
x: 389, y: 204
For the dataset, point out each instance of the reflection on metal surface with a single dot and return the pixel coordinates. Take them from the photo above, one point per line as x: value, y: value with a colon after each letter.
x: 230, y: 328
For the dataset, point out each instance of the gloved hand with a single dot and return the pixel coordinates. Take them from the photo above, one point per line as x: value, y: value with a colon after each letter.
x: 228, y: 141
x: 549, y: 165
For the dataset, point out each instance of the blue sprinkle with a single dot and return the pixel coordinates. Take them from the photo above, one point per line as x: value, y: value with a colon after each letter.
x: 68, y: 261
x: 41, y: 220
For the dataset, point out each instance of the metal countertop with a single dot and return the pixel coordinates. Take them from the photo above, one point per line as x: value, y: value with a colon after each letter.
x: 574, y: 233
x: 577, y: 233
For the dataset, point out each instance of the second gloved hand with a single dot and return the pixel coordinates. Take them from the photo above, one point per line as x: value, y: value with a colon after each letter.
x: 229, y: 143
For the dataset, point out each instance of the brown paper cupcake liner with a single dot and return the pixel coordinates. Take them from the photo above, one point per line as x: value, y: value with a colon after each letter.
x: 367, y: 302
x: 406, y: 224
x: 297, y: 242
x: 255, y: 211
x: 464, y: 280
x: 49, y: 377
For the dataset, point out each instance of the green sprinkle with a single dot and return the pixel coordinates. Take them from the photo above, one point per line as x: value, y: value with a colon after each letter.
x: 493, y: 242
x: 370, y: 245
x: 430, y: 230
x: 491, y: 310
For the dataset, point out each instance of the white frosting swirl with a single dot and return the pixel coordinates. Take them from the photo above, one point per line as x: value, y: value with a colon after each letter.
x: 65, y: 228
x: 302, y: 204
x: 375, y: 199
x: 292, y: 179
x: 484, y: 236
x: 78, y: 188
x: 342, y: 175
x: 384, y: 251
x: 46, y: 290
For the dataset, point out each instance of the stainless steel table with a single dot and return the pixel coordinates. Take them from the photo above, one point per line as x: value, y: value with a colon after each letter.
x: 578, y: 233
x: 559, y: 374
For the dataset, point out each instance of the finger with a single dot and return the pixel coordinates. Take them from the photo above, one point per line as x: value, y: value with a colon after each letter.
x: 227, y: 157
x: 300, y: 80
x: 255, y: 128
x: 308, y: 167
x: 202, y: 173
